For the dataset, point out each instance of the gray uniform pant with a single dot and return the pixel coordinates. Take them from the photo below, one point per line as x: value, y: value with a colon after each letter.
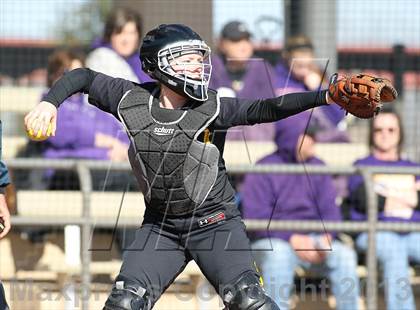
x: 161, y: 251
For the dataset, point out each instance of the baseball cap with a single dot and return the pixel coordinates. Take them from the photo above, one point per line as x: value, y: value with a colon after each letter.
x: 235, y: 31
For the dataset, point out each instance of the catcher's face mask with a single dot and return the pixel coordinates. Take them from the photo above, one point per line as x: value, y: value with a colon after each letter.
x: 188, y: 64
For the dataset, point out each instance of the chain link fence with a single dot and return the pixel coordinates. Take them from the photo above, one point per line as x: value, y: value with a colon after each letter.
x: 87, y: 222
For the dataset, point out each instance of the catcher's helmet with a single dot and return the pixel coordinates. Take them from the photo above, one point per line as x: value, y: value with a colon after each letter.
x: 164, y: 44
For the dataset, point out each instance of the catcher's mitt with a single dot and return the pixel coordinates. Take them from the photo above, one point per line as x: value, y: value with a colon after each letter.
x: 361, y: 95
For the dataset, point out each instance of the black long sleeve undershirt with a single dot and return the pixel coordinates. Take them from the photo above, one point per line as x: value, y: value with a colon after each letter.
x: 106, y: 92
x: 273, y: 109
x: 288, y: 104
x: 78, y: 80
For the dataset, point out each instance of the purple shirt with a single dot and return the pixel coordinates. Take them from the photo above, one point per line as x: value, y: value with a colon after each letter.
x: 327, y: 117
x: 356, y: 180
x: 288, y: 196
x: 134, y: 62
x: 77, y: 125
x: 257, y: 83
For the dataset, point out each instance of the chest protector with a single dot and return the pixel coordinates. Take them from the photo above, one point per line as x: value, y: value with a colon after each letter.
x: 174, y: 169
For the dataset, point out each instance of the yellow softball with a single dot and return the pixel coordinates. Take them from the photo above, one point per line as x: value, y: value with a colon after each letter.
x: 39, y: 136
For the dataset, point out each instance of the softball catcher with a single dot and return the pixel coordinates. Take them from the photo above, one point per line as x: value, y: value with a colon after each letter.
x: 177, y: 128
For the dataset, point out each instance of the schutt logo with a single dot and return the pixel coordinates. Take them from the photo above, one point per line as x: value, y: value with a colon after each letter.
x: 162, y: 131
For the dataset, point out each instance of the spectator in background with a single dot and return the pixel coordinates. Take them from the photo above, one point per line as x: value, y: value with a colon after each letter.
x: 297, y: 72
x: 236, y: 73
x: 398, y: 201
x: 298, y: 197
x: 85, y: 132
x: 116, y: 54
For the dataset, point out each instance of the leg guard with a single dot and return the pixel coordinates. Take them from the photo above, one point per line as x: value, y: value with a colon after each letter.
x: 247, y: 294
x: 126, y: 295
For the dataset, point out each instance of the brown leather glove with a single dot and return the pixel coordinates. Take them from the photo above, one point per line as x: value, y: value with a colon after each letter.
x: 361, y: 95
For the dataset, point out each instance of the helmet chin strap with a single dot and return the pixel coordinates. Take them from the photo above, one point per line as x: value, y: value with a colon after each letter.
x: 168, y: 82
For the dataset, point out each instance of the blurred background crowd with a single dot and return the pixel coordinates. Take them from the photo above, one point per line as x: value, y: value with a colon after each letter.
x: 259, y: 50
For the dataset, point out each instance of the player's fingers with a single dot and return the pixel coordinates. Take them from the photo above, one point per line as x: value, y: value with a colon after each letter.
x: 43, y: 129
x: 36, y: 126
x: 45, y: 122
x: 35, y: 122
x: 53, y: 125
x: 25, y: 120
x: 6, y: 227
x: 29, y: 120
x: 28, y: 116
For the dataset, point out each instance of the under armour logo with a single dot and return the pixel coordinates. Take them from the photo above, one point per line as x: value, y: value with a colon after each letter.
x: 212, y: 219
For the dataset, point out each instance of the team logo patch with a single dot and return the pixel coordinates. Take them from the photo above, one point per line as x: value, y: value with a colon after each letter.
x: 162, y: 131
x: 211, y: 219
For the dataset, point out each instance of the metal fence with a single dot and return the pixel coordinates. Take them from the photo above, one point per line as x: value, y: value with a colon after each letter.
x: 86, y: 223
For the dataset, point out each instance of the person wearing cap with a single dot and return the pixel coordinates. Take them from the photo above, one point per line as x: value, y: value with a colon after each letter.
x: 237, y: 74
x: 298, y: 197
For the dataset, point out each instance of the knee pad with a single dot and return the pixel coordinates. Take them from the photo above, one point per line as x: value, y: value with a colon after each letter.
x: 247, y: 294
x: 127, y: 295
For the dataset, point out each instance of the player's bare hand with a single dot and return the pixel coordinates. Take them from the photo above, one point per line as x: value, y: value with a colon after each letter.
x: 4, y: 216
x: 40, y: 118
